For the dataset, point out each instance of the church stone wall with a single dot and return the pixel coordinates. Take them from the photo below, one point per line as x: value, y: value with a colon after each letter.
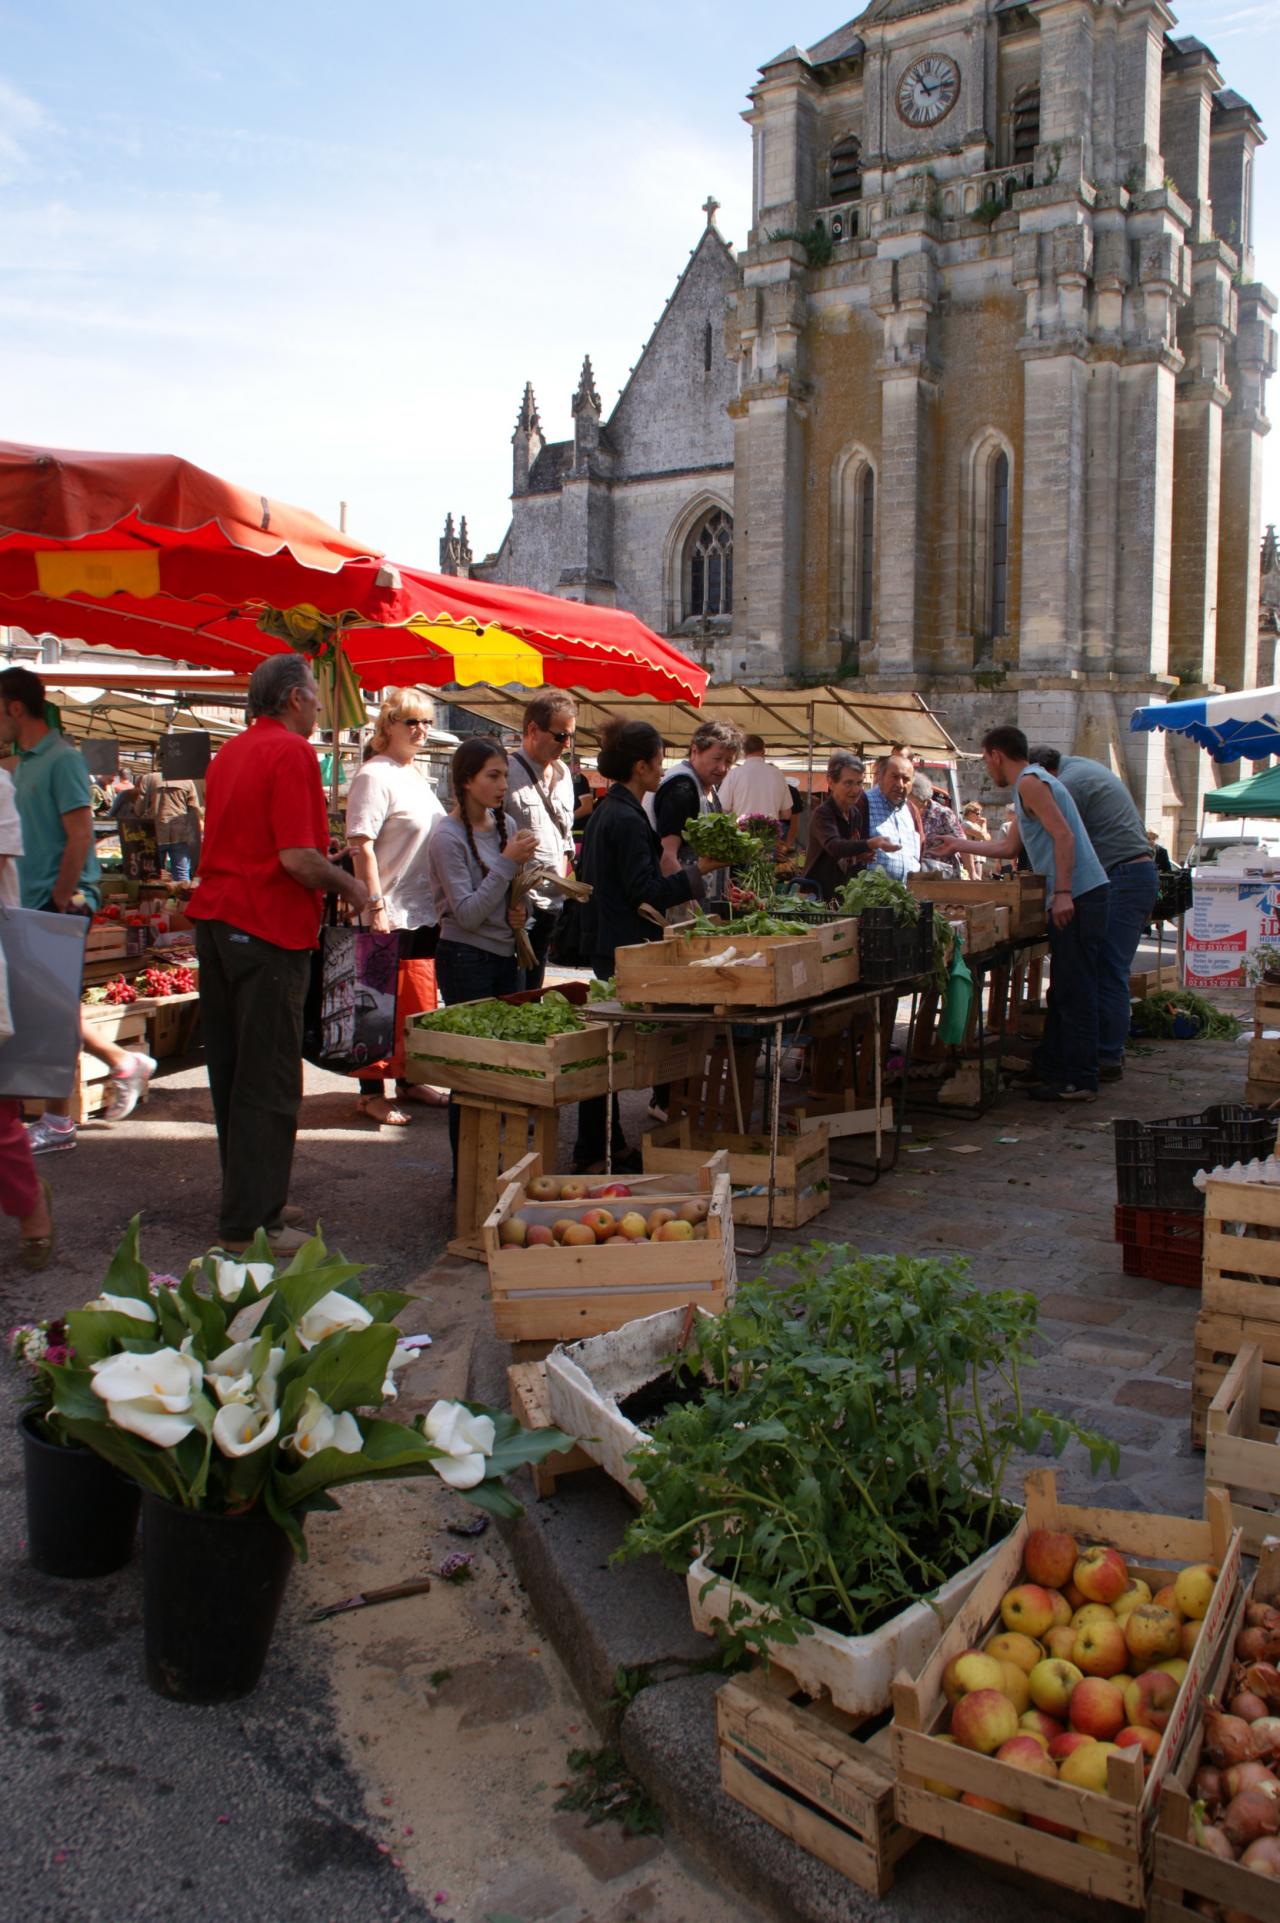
x: 672, y: 413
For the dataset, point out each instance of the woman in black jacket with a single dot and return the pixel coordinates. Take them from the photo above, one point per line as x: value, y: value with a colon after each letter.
x: 839, y: 844
x: 621, y: 858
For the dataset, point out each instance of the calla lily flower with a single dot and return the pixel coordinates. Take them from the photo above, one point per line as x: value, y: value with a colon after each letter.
x: 149, y: 1395
x: 239, y: 1428
x: 230, y: 1277
x: 401, y: 1356
x: 232, y: 1381
x: 466, y: 1439
x: 332, y: 1312
x: 319, y: 1428
x: 123, y: 1305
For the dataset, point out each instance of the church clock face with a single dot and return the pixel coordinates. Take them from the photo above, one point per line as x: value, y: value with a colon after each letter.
x: 928, y: 90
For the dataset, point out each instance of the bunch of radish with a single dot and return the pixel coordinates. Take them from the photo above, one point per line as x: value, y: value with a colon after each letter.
x: 1236, y: 1814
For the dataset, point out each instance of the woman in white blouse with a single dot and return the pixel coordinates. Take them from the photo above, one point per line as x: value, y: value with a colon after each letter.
x: 391, y: 810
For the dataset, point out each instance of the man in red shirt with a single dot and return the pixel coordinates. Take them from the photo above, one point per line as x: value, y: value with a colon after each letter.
x: 257, y: 910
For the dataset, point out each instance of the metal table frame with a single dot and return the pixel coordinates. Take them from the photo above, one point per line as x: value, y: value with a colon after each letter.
x: 612, y: 1016
x: 980, y: 966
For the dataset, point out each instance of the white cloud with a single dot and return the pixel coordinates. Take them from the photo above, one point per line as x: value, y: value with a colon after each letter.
x: 23, y: 123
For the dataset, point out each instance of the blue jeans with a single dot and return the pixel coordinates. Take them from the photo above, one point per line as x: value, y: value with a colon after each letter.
x: 467, y: 974
x: 176, y: 856
x: 1130, y: 899
x: 1068, y: 1054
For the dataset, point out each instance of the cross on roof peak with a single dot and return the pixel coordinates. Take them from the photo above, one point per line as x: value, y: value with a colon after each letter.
x: 711, y: 207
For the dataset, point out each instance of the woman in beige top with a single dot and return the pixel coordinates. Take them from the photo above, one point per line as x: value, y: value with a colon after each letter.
x: 391, y: 810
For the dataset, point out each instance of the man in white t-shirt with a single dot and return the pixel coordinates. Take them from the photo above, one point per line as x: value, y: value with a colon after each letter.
x: 756, y: 786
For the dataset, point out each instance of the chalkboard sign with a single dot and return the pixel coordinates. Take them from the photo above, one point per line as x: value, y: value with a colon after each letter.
x: 138, y: 849
x: 185, y: 757
x: 101, y: 754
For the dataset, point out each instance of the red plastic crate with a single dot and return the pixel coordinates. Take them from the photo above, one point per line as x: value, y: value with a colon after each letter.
x: 1164, y: 1245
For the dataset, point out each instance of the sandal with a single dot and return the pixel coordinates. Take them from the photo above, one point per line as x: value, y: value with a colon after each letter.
x: 35, y: 1251
x: 393, y: 1117
x: 424, y: 1093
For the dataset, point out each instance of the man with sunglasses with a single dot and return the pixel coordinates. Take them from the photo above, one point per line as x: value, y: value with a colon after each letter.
x: 540, y: 796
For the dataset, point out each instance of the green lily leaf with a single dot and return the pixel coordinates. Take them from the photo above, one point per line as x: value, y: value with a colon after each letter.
x: 347, y: 1370
x: 128, y: 1274
x: 384, y: 1305
x: 389, y: 1449
x: 495, y: 1498
x: 96, y: 1333
x: 514, y: 1445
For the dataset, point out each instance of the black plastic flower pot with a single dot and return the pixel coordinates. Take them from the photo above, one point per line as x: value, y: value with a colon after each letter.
x: 82, y: 1515
x: 212, y: 1587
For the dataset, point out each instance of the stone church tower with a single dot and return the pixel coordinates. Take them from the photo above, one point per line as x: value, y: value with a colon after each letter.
x: 1003, y: 357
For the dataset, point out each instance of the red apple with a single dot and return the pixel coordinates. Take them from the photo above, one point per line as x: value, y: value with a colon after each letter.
x: 1049, y: 1827
x: 1072, y: 1596
x: 1024, y: 1752
x: 1097, y: 1708
x: 992, y: 1809
x: 984, y: 1720
x: 1167, y: 1598
x: 578, y: 1236
x: 1101, y: 1650
x: 539, y: 1236
x: 1151, y: 1634
x: 610, y: 1188
x: 1100, y: 1574
x: 1147, y: 1740
x: 1037, y: 1723
x: 573, y: 1188
x: 1062, y: 1610
x: 1029, y: 1609
x: 1149, y: 1699
x: 1187, y: 1638
x: 1060, y: 1641
x: 601, y: 1222
x: 1071, y: 1739
x: 1012, y: 1647
x: 564, y: 1223
x: 1049, y: 1557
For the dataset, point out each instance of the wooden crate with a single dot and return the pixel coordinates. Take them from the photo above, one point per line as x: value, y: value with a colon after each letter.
x: 1124, y: 1817
x: 563, y: 1293
x: 811, y: 1772
x: 527, y: 1387
x: 564, y: 1068
x: 802, y: 1173
x: 1219, y: 1339
x: 671, y: 1053
x: 1242, y: 1449
x: 1181, y: 1873
x: 1266, y: 1008
x: 796, y: 968
x: 1023, y: 895
x: 1242, y: 1249
x: 105, y: 941
x: 172, y: 1022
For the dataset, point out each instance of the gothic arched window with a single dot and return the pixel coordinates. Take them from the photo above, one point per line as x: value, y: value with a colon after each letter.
x: 844, y: 169
x: 866, y: 552
x: 986, y: 609
x: 852, y: 558
x: 1026, y: 126
x: 708, y: 567
x: 998, y: 548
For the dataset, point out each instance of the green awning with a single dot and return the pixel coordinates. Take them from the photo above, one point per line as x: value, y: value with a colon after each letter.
x: 1259, y: 795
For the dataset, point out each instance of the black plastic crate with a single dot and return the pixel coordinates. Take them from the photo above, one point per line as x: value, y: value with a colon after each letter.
x: 890, y: 950
x: 1174, y: 896
x: 1156, y: 1162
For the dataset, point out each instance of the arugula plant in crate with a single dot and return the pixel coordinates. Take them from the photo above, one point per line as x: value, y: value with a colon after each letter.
x: 237, y: 1388
x: 848, y: 1453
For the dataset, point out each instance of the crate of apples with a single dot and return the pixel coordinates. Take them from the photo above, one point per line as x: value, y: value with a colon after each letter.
x: 552, y: 1233
x: 1065, y: 1713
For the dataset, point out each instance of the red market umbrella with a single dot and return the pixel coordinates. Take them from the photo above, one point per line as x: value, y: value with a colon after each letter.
x: 147, y: 553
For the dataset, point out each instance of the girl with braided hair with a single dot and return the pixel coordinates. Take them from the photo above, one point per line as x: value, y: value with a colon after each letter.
x: 472, y: 857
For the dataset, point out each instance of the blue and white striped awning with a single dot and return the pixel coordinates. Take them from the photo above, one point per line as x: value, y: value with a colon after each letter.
x: 1233, y: 727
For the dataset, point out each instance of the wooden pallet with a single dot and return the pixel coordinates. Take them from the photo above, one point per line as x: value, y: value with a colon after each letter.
x: 812, y: 1773
x: 720, y: 1094
x: 493, y: 1136
x: 1182, y: 1875
x: 564, y: 1293
x: 802, y: 1170
x: 1219, y: 1339
x: 1242, y: 1450
x: 1124, y: 1817
x: 527, y: 1387
x: 796, y: 968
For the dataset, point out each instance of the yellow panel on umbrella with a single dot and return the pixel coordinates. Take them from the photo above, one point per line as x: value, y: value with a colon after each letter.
x: 484, y: 654
x: 99, y: 572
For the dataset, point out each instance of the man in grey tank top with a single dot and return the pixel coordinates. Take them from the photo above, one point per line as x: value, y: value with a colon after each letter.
x: 1119, y: 837
x: 1047, y: 823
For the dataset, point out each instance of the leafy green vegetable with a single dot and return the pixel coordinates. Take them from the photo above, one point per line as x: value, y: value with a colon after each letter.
x: 759, y: 922
x: 1159, y: 1015
x: 505, y: 1022
x: 720, y: 838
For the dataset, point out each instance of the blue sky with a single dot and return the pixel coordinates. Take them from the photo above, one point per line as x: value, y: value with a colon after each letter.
x: 320, y: 249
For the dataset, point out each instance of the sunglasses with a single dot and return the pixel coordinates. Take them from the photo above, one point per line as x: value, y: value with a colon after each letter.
x: 413, y: 724
x: 561, y: 738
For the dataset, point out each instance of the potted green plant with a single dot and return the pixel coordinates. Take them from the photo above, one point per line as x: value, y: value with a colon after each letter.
x: 239, y: 1400
x: 82, y: 1515
x: 834, y: 1492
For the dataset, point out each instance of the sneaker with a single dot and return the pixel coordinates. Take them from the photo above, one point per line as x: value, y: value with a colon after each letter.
x: 1110, y: 1071
x: 1067, y: 1093
x: 127, y: 1087
x: 46, y: 1138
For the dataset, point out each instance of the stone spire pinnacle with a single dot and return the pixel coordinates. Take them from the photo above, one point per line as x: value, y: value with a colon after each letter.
x: 528, y: 422
x: 455, y: 548
x: 586, y: 396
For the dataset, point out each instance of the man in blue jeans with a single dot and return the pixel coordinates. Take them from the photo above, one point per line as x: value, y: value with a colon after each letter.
x: 1121, y: 843
x: 1047, y: 824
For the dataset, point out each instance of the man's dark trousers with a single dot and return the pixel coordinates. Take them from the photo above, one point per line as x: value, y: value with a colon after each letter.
x: 251, y: 1001
x: 1068, y: 1053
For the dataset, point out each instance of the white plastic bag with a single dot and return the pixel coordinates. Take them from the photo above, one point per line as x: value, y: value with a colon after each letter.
x: 44, y: 964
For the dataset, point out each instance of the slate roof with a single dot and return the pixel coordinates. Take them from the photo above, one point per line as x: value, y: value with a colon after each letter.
x: 554, y: 460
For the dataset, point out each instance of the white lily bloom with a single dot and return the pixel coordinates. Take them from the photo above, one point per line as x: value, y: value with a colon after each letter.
x: 149, y: 1395
x: 241, y: 1427
x: 401, y: 1356
x: 123, y: 1305
x: 319, y: 1428
x: 229, y: 1373
x: 467, y: 1440
x: 331, y: 1313
x: 267, y: 1386
x: 230, y: 1277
